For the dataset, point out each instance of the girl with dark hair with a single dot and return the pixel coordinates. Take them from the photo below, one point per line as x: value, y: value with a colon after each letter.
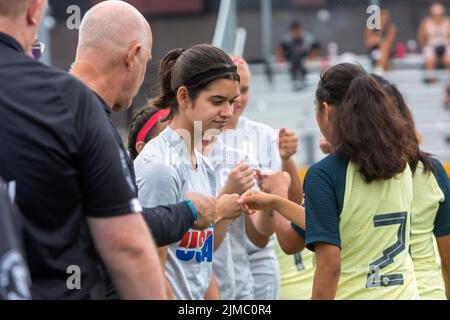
x: 358, y: 199
x: 146, y: 124
x: 198, y: 86
x: 430, y: 216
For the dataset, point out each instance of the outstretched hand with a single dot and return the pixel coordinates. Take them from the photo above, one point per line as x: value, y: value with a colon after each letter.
x: 254, y: 200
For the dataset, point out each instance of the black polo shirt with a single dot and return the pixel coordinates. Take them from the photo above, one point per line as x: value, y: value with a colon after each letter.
x: 58, y: 148
x: 168, y: 224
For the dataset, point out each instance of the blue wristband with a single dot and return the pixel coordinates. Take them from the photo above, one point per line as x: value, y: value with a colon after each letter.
x: 193, y: 208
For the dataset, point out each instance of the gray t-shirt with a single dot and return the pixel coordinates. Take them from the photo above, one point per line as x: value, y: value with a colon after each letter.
x: 164, y: 174
x: 231, y: 261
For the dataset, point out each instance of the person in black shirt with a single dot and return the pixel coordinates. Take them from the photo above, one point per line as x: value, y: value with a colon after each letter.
x: 71, y: 183
x: 109, y: 64
x: 294, y: 48
x: 14, y: 272
x: 103, y: 63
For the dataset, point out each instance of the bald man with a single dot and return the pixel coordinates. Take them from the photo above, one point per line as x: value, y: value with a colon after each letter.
x: 63, y: 166
x: 114, y: 47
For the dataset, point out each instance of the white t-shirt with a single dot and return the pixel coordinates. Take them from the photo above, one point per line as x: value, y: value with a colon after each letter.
x: 164, y: 174
x: 231, y: 261
x: 261, y: 143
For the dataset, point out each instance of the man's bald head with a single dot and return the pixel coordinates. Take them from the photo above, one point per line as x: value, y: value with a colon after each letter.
x: 113, y: 26
x: 115, y: 43
x: 13, y: 8
x: 21, y: 19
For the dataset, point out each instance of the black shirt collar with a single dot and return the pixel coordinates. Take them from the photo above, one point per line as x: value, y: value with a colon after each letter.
x: 10, y: 42
x: 104, y: 104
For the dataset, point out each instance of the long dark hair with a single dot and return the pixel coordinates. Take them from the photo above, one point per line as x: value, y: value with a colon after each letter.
x: 366, y: 128
x: 180, y: 66
x: 400, y: 103
x: 138, y: 121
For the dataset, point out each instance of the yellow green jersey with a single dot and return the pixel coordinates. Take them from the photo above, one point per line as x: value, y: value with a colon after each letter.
x: 369, y: 222
x: 430, y: 217
x: 296, y: 273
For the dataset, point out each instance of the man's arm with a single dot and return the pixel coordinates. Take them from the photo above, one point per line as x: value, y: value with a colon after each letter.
x: 122, y: 239
x: 127, y: 249
x: 168, y: 223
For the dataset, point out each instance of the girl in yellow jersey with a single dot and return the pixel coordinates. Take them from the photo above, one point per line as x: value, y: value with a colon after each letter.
x: 430, y: 222
x: 297, y: 273
x: 358, y: 200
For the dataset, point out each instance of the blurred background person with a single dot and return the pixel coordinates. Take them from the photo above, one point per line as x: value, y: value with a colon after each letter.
x: 379, y: 43
x: 295, y: 48
x: 433, y: 36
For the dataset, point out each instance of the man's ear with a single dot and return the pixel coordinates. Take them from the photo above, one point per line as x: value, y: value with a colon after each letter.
x: 132, y: 55
x: 183, y: 97
x: 34, y: 12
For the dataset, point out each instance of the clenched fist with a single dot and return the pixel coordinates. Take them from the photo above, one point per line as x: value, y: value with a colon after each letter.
x: 277, y: 183
x: 239, y: 180
x: 287, y: 143
x: 228, y: 207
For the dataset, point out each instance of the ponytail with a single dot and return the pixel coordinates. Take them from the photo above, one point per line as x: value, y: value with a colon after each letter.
x: 168, y: 94
x: 412, y: 133
x: 367, y: 129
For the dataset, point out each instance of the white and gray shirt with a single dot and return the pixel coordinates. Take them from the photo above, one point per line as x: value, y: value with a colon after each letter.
x: 260, y: 142
x: 231, y: 261
x: 164, y: 174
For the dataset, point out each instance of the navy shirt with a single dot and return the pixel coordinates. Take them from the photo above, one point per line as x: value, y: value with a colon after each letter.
x: 324, y: 187
x: 58, y: 150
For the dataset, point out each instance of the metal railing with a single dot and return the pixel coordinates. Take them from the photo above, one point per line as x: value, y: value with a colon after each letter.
x: 226, y: 26
x: 227, y: 35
